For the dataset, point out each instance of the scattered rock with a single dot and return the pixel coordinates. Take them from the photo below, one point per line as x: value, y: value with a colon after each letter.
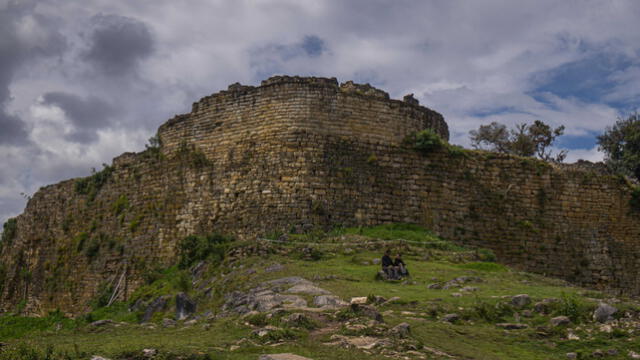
x: 512, y: 326
x: 544, y: 306
x: 560, y: 321
x: 297, y: 319
x: 604, y: 313
x: 360, y: 342
x: 456, y: 294
x: 469, y: 289
x: 527, y: 313
x: 359, y: 300
x: 367, y: 311
x: 572, y: 355
x: 451, y: 318
x: 435, y: 286
x: 521, y: 300
x: 184, y: 306
x: 402, y: 330
x: 264, y: 331
x: 159, y: 304
x: 101, y: 323
x: 392, y: 300
x: 598, y: 353
x: 96, y: 357
x: 286, y: 356
x: 612, y: 352
x: 572, y: 336
x: 633, y: 355
x: 379, y: 300
x: 274, y: 268
x: 168, y: 322
x: 328, y: 301
x: 375, y: 261
x: 149, y: 352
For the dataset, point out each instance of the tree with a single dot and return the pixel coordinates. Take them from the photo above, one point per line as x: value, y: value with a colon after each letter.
x: 621, y: 145
x: 524, y: 140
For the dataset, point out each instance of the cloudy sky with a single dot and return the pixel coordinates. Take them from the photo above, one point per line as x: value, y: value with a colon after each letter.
x: 83, y: 81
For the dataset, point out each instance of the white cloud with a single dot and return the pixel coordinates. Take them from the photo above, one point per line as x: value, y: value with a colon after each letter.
x: 473, y: 62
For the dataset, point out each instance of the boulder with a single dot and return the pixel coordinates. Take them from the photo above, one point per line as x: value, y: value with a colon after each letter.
x: 451, y: 318
x: 286, y: 356
x: 560, y: 321
x: 159, y: 304
x: 402, y: 330
x: 367, y: 311
x: 359, y: 300
x: 604, y: 313
x: 308, y: 289
x: 521, y: 300
x: 328, y: 301
x: 184, y: 306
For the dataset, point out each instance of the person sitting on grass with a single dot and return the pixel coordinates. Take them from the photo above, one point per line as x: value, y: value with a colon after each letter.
x: 400, y: 266
x: 387, y: 265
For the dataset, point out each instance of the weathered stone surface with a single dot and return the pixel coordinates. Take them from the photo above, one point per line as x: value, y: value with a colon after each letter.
x: 299, y: 149
x: 604, y: 313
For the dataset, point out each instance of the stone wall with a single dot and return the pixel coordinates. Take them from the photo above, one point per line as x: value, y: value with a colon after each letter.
x: 308, y: 152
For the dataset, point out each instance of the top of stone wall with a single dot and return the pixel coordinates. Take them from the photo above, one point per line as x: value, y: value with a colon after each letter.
x: 349, y: 87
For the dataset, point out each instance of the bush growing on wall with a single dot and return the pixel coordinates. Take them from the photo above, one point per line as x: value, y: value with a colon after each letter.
x: 427, y: 141
x: 196, y: 248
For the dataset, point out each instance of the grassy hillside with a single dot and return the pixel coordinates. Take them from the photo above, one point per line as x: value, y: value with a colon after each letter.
x: 457, y: 304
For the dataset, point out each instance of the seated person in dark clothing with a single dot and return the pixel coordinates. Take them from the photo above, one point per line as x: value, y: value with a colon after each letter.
x: 400, y: 266
x: 387, y: 265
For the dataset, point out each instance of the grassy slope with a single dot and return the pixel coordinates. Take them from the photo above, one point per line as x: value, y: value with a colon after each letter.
x: 347, y: 276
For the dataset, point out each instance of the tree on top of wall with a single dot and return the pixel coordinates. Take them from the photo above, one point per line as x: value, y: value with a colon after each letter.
x: 523, y: 140
x: 621, y: 145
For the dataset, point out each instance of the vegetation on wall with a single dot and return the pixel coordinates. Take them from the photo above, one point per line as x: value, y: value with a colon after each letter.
x: 621, y: 145
x: 426, y: 141
x: 197, y: 248
x: 91, y: 185
x: 9, y: 230
x: 523, y: 140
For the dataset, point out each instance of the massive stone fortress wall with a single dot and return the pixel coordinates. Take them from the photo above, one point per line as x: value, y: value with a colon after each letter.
x: 301, y: 152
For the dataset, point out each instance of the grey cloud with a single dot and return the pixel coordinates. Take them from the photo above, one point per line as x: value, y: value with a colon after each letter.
x: 271, y: 59
x: 118, y: 44
x: 87, y: 114
x: 14, y: 53
x: 12, y: 129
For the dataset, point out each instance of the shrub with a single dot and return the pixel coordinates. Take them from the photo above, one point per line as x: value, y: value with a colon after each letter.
x: 9, y: 231
x: 121, y: 204
x: 197, y: 248
x: 491, y: 313
x: 427, y: 141
x: 259, y: 319
x: 573, y: 307
x: 93, y: 249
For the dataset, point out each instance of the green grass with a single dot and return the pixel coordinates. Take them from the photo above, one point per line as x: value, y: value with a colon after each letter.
x: 346, y: 273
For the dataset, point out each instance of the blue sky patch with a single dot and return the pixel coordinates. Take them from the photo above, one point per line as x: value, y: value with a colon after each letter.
x: 588, y: 80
